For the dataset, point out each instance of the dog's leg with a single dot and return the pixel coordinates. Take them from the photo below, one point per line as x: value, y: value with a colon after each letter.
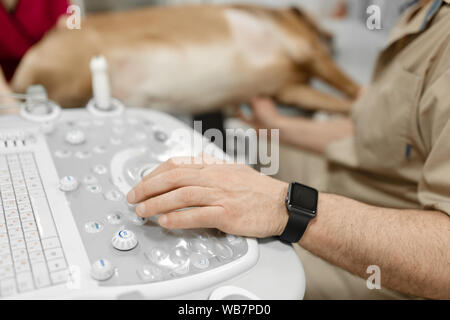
x: 25, y: 74
x: 7, y: 104
x: 306, y: 97
x: 324, y: 68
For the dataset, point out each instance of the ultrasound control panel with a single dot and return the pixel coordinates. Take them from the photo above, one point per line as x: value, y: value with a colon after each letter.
x: 98, y: 161
x: 67, y: 231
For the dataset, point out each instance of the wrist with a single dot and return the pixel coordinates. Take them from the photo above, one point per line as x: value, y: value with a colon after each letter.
x: 282, y: 212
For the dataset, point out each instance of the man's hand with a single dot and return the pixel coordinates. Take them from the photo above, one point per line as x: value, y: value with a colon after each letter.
x: 303, y: 133
x: 265, y: 114
x: 230, y: 197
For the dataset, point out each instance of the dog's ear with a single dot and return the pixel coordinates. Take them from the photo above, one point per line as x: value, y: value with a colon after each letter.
x: 313, y: 24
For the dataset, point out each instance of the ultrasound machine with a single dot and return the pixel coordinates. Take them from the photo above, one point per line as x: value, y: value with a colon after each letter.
x: 67, y: 231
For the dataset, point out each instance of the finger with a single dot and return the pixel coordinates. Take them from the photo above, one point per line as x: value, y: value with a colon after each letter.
x: 204, y: 217
x: 168, y: 181
x: 177, y: 199
x: 173, y: 163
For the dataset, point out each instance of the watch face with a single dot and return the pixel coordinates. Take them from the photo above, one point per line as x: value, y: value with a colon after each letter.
x: 304, y: 198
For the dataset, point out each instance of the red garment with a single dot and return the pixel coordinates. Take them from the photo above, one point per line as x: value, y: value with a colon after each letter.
x: 26, y: 25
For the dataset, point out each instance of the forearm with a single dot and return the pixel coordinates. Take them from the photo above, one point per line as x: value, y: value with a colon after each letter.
x: 311, y: 135
x: 409, y: 246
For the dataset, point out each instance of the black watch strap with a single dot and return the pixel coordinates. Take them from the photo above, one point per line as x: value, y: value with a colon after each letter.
x: 301, y: 203
x: 295, y: 228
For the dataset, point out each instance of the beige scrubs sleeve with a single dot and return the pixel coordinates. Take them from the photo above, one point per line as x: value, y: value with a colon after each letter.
x: 434, y: 125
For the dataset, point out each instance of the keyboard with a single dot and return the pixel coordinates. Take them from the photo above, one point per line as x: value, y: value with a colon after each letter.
x: 31, y: 256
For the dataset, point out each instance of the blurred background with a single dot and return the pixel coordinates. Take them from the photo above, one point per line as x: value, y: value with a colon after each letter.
x: 356, y: 9
x: 345, y: 18
x: 355, y: 50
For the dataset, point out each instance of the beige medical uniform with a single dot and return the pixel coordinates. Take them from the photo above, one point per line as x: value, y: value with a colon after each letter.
x: 399, y: 156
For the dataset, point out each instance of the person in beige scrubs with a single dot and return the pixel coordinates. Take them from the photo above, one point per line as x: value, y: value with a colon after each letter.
x: 387, y: 202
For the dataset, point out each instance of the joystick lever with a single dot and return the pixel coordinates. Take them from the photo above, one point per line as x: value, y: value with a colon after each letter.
x: 100, y: 83
x: 102, y: 103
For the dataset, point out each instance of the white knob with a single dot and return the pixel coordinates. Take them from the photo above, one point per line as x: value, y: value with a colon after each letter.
x: 75, y: 137
x: 124, y: 240
x: 68, y: 183
x: 102, y: 270
x: 100, y: 83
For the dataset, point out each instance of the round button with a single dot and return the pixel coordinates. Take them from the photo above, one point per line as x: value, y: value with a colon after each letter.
x: 179, y: 256
x: 161, y: 136
x: 139, y: 221
x: 182, y: 270
x: 124, y: 240
x: 75, y: 137
x: 95, y: 188
x: 149, y: 273
x: 63, y: 154
x: 157, y: 255
x: 100, y: 169
x: 99, y: 149
x: 68, y: 183
x: 234, y: 239
x: 102, y: 270
x: 202, y: 247
x: 222, y: 251
x: 114, y: 218
x: 113, y: 195
x: 199, y: 261
x: 83, y: 154
x: 93, y: 227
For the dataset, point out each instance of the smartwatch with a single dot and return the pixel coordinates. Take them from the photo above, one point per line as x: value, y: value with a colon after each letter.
x: 301, y: 203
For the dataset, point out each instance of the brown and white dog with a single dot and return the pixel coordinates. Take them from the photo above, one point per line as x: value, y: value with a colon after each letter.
x: 191, y: 59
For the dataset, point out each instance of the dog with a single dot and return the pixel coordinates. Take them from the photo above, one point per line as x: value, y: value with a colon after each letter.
x: 191, y: 59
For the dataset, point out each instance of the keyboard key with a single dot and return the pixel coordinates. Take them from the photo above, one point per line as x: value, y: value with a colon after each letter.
x: 26, y: 216
x: 21, y: 265
x: 4, y: 238
x: 5, y: 259
x: 13, y: 223
x: 41, y: 276
x: 17, y: 243
x: 59, y: 276
x: 11, y: 214
x: 54, y: 253
x: 19, y: 254
x: 31, y: 235
x: 15, y: 233
x: 25, y: 282
x: 8, y: 287
x: 29, y: 226
x: 37, y: 256
x: 34, y: 245
x: 57, y: 264
x: 50, y: 243
x: 4, y: 248
x: 6, y: 272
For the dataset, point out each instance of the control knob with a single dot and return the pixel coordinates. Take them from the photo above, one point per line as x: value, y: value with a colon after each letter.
x: 102, y: 270
x: 124, y: 240
x: 68, y: 183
